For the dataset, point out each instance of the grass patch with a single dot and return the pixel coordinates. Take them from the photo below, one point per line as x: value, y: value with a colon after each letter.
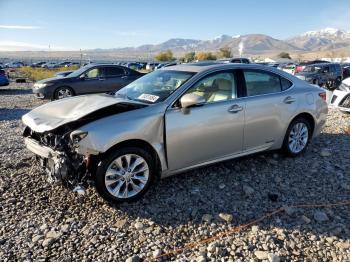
x: 36, y: 74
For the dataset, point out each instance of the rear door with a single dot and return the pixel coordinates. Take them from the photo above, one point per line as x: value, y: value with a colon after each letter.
x: 114, y: 78
x: 269, y: 105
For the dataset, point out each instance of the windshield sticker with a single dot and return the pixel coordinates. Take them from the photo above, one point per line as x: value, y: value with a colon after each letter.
x: 148, y: 97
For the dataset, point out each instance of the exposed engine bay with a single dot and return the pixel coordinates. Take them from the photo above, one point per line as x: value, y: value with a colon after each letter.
x: 56, y: 149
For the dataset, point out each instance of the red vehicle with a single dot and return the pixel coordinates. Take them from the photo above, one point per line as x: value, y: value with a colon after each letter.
x: 302, y: 65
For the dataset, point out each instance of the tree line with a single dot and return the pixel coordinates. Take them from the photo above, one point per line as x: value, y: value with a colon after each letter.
x: 224, y: 52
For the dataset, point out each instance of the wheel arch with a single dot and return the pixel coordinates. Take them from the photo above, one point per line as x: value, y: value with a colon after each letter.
x: 136, y: 143
x: 308, y: 117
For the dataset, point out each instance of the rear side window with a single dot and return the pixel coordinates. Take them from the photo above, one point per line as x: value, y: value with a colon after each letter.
x: 260, y: 82
x: 113, y: 71
x: 285, y: 83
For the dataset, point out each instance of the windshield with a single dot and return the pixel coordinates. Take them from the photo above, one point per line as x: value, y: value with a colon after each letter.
x: 312, y: 69
x: 78, y: 72
x: 155, y: 87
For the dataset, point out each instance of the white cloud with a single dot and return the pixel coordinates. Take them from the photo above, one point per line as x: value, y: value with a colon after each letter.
x: 24, y: 27
x: 24, y: 46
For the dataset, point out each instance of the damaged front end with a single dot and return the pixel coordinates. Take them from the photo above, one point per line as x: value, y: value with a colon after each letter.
x: 56, y: 152
x: 58, y: 148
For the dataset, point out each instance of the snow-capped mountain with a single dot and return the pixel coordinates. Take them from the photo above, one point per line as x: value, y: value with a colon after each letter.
x: 324, y: 39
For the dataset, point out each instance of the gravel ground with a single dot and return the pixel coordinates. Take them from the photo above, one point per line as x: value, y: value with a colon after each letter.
x: 39, y: 221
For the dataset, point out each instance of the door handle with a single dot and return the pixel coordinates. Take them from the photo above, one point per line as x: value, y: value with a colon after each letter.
x: 101, y: 79
x: 123, y: 77
x: 289, y: 100
x: 235, y: 109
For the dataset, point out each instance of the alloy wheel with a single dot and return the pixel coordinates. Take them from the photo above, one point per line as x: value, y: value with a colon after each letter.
x: 126, y: 176
x: 298, y: 137
x: 63, y: 93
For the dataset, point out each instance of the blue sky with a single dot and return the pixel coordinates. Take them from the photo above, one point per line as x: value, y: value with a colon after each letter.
x: 75, y: 24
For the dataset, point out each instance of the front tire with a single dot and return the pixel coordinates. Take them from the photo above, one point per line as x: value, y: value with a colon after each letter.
x: 297, y: 137
x: 125, y: 175
x: 63, y: 92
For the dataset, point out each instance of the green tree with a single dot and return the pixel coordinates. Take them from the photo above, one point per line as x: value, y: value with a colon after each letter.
x: 284, y: 55
x: 225, y: 52
x: 164, y: 56
x: 189, y: 57
x: 205, y: 56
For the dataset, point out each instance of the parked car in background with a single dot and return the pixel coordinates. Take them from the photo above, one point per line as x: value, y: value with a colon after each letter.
x: 346, y: 71
x: 143, y: 65
x: 134, y: 65
x: 289, y: 68
x: 302, y: 65
x: 50, y: 65
x: 4, y: 81
x: 341, y: 96
x: 328, y: 75
x: 240, y: 60
x: 161, y: 65
x: 172, y: 120
x: 63, y: 73
x: 37, y: 64
x: 14, y: 64
x: 151, y: 66
x: 63, y: 64
x: 72, y: 64
x: 86, y: 80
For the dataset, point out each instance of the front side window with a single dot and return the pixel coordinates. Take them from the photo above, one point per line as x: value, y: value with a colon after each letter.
x: 260, y: 83
x: 93, y: 73
x: 216, y: 87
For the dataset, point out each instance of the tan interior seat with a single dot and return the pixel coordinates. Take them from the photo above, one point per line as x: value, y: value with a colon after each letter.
x: 222, y: 90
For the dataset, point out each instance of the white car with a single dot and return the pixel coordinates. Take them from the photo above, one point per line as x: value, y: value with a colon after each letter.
x: 341, y: 96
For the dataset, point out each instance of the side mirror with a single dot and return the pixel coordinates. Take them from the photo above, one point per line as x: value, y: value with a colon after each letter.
x: 189, y: 100
x: 82, y: 77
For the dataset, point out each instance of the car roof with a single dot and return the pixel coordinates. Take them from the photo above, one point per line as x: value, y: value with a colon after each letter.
x: 204, y: 66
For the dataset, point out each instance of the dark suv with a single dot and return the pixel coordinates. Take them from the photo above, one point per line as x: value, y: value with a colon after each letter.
x: 86, y: 80
x: 328, y: 74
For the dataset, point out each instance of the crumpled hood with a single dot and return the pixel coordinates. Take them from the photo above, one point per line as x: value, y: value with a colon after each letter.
x: 54, y: 114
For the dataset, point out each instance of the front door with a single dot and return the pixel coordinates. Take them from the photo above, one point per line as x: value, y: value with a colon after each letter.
x: 89, y: 82
x: 210, y: 131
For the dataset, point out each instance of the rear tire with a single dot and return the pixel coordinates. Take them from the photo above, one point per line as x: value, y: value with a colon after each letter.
x: 125, y: 175
x: 297, y: 137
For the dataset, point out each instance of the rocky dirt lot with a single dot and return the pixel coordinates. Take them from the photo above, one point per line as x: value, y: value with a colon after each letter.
x: 39, y: 221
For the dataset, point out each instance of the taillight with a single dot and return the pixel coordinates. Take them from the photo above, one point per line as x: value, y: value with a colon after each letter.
x: 323, y: 95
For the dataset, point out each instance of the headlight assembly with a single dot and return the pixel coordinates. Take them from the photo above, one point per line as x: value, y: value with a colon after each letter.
x: 42, y: 85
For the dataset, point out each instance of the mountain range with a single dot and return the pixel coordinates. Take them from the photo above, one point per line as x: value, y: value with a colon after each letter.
x: 327, y: 39
x: 313, y: 42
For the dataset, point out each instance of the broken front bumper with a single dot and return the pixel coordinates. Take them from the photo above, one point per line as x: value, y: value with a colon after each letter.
x: 40, y: 150
x: 58, y: 165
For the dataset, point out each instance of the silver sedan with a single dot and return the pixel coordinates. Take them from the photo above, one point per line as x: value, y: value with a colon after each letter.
x: 174, y: 119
